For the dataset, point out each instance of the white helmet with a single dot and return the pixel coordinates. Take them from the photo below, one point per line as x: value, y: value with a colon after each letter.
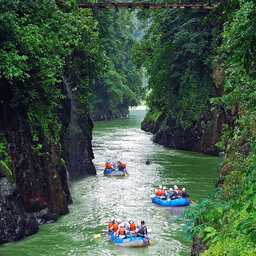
x: 160, y: 187
x: 129, y: 219
x: 112, y: 219
x: 164, y: 187
x: 121, y: 224
x: 156, y: 190
x: 183, y: 189
x: 171, y: 189
x: 118, y: 221
x: 175, y: 187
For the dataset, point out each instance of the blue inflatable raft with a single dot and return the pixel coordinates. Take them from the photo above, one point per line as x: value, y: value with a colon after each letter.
x: 129, y: 241
x: 171, y: 203
x: 115, y: 172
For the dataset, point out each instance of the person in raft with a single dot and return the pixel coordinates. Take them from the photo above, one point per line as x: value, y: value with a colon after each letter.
x: 177, y: 190
x: 110, y: 224
x: 184, y: 194
x: 158, y: 191
x: 121, y: 233
x: 108, y: 165
x: 163, y: 194
x: 142, y: 230
x: 173, y: 194
x: 115, y: 227
x: 130, y: 227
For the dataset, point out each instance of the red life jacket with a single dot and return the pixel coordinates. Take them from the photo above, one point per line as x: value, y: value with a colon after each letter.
x: 115, y: 227
x: 124, y: 166
x: 179, y: 192
x: 110, y: 224
x: 132, y: 226
x: 162, y: 192
x: 122, y: 231
x: 108, y: 166
x: 158, y: 192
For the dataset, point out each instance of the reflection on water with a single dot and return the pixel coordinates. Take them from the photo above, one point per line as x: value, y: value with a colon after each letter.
x: 98, y: 198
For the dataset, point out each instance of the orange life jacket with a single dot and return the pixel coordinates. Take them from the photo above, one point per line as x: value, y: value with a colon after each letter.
x: 124, y: 166
x: 158, y: 192
x: 115, y: 227
x: 132, y: 226
x: 121, y: 231
x: 162, y: 192
x: 110, y: 224
x: 179, y: 192
x: 108, y: 166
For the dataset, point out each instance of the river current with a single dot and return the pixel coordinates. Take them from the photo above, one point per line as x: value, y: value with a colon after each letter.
x: 97, y: 198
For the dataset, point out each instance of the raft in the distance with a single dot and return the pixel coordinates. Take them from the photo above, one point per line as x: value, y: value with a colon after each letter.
x: 115, y: 172
x: 129, y: 241
x: 171, y: 203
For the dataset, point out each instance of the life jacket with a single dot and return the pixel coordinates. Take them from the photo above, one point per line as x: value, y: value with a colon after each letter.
x: 108, y: 166
x: 162, y: 192
x: 132, y: 226
x: 110, y: 224
x: 179, y: 192
x: 158, y: 192
x: 122, y: 231
x: 115, y: 227
x: 124, y: 166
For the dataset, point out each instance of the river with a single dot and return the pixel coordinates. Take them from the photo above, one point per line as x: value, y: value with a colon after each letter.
x: 97, y: 198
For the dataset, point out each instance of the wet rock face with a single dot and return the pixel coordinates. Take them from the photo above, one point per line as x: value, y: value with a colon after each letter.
x: 200, y: 137
x: 41, y: 194
x: 76, y: 137
x: 15, y: 223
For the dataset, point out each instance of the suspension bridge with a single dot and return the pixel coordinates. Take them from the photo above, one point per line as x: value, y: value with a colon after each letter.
x: 147, y: 5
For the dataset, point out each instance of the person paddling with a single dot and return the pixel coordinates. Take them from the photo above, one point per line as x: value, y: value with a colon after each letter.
x: 121, y: 233
x: 111, y: 223
x: 184, y: 194
x: 142, y: 230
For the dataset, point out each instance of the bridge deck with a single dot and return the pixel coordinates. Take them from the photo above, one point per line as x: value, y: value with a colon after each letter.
x: 195, y: 5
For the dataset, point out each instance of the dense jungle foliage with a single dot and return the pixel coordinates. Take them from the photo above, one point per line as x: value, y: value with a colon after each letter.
x: 177, y: 52
x: 227, y: 219
x: 119, y: 86
x: 182, y: 50
x: 44, y: 43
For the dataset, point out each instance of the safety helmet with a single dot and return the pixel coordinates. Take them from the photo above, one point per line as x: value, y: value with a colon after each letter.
x: 108, y: 161
x: 160, y: 187
x: 171, y: 189
x: 164, y: 187
x: 175, y: 187
x: 183, y: 189
x: 118, y: 221
x: 129, y: 219
x: 112, y: 219
x: 121, y: 224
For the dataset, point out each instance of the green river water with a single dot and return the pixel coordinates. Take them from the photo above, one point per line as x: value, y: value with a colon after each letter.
x: 97, y: 198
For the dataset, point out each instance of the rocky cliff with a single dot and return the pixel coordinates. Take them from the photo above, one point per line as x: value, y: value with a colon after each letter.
x: 34, y: 186
x: 202, y: 135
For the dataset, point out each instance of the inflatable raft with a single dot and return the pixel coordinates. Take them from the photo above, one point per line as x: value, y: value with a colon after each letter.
x: 115, y: 172
x: 171, y: 203
x: 129, y: 241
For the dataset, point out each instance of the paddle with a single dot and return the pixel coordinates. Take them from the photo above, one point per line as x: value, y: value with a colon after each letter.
x: 100, y: 235
x: 191, y: 201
